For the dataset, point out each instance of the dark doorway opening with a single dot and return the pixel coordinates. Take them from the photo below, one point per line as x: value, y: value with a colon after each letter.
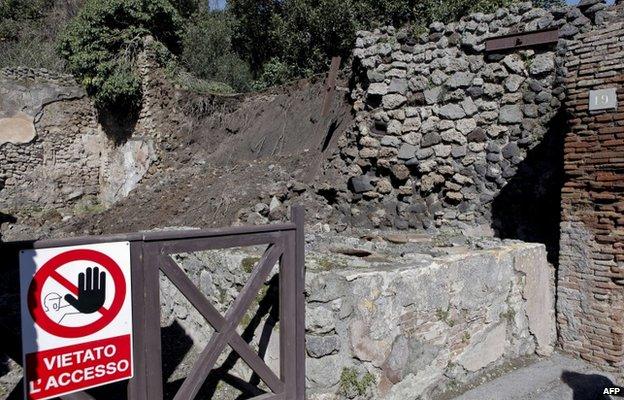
x: 528, y: 208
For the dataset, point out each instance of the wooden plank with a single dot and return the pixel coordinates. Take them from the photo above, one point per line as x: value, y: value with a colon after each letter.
x: 177, y: 276
x: 251, y: 288
x: 211, y: 233
x: 205, y: 363
x: 221, y: 242
x: 149, y: 236
x: 330, y: 86
x: 287, y: 318
x: 256, y: 363
x: 298, y: 218
x: 269, y: 396
x: 242, y: 385
x: 522, y: 40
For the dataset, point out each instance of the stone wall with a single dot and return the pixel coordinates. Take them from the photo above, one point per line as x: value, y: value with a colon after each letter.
x: 448, y: 134
x: 48, y: 137
x: 60, y: 157
x: 591, y: 265
x: 388, y: 315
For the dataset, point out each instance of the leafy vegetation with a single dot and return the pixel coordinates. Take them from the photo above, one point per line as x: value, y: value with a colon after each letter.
x: 207, y: 51
x: 351, y: 385
x: 250, y: 45
x: 28, y: 30
x: 548, y: 3
x: 102, y: 42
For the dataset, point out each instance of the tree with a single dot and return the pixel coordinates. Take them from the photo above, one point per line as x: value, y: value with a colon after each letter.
x: 254, y: 29
x: 29, y: 29
x: 299, y: 37
x: 311, y: 32
x: 284, y: 39
x: 14, y: 12
x: 208, y: 54
x: 102, y: 42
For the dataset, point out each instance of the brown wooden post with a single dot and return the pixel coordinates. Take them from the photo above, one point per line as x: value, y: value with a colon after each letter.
x: 298, y: 218
x: 151, y: 322
x: 137, y: 386
x: 287, y: 317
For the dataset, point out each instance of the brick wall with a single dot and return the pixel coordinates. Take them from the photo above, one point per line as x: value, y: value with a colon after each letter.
x: 591, y: 272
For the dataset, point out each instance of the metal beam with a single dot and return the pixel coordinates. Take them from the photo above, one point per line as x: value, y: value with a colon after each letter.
x: 522, y: 40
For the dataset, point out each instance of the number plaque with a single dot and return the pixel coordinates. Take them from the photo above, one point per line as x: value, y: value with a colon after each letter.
x: 603, y: 99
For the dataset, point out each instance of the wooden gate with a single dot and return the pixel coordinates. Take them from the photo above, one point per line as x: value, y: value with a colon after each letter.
x: 151, y: 254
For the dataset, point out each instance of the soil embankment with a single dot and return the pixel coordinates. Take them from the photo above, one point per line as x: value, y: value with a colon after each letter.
x: 269, y: 146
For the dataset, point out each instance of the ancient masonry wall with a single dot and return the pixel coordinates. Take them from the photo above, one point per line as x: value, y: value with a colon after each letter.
x: 447, y: 134
x: 591, y: 264
x: 57, y: 156
x: 37, y: 146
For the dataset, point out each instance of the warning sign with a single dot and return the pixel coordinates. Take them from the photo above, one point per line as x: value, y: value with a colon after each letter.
x: 76, y: 318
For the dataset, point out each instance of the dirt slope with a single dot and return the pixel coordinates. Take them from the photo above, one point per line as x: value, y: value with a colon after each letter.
x: 272, y: 145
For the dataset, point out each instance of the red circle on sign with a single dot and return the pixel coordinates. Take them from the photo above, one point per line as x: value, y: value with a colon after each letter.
x: 46, y: 272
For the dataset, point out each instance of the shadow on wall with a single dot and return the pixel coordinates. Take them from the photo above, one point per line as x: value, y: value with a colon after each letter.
x: 7, y: 218
x: 175, y: 346
x: 589, y: 386
x: 528, y: 208
x: 117, y: 125
x: 177, y: 343
x: 10, y: 321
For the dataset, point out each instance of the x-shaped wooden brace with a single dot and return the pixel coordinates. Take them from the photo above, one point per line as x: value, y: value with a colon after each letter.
x: 225, y: 327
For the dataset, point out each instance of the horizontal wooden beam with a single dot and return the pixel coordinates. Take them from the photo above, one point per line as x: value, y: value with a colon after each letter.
x: 522, y: 40
x: 168, y: 235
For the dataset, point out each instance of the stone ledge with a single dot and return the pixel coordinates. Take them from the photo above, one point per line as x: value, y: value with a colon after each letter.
x: 409, y: 314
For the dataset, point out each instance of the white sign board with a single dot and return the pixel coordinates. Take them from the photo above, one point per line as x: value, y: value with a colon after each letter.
x: 603, y: 99
x: 76, y: 318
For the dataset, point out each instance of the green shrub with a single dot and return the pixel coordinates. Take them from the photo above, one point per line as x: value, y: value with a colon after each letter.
x: 13, y: 14
x: 548, y: 3
x: 208, y: 54
x: 301, y: 36
x: 275, y: 72
x: 351, y: 385
x: 202, y: 86
x: 30, y: 51
x: 101, y: 45
x: 28, y: 31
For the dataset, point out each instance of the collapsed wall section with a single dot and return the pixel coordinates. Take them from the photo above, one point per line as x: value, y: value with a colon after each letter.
x: 591, y: 264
